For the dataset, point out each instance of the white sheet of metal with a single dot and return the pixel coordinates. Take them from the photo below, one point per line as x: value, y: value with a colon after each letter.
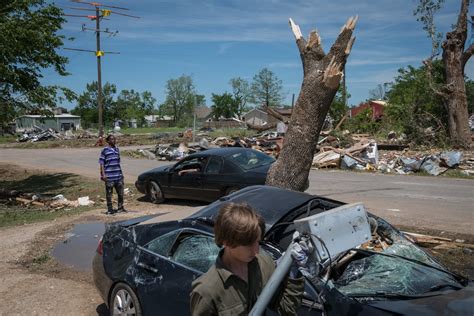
x: 341, y: 228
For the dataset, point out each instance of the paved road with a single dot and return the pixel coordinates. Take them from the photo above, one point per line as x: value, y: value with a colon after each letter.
x: 428, y: 202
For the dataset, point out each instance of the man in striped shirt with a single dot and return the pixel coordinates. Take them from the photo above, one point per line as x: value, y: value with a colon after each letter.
x: 111, y: 174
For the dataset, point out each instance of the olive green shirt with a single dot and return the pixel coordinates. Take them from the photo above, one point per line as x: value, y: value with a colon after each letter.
x: 220, y: 292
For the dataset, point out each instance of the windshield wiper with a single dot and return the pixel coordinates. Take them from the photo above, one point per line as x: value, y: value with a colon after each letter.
x: 389, y: 295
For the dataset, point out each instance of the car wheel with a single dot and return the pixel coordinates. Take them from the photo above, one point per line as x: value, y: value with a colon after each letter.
x: 124, y: 301
x: 231, y: 190
x: 154, y: 192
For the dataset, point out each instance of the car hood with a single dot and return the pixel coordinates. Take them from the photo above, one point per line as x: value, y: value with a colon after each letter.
x: 450, y: 302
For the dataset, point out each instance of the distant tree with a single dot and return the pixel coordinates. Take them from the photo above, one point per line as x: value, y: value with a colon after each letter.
x: 180, y: 98
x: 29, y: 43
x: 379, y: 92
x: 338, y: 108
x: 131, y: 104
x: 200, y: 100
x: 241, y: 93
x: 413, y: 108
x: 87, y: 106
x: 266, y: 89
x: 454, y: 57
x: 224, y: 105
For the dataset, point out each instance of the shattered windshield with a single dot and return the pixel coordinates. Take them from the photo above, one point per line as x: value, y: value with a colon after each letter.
x: 382, y: 274
x: 378, y: 274
x: 250, y: 159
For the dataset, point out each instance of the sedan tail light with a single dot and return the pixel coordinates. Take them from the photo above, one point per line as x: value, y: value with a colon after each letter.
x: 99, y: 247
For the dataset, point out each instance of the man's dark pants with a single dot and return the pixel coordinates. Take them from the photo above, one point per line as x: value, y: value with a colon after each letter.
x: 109, y: 186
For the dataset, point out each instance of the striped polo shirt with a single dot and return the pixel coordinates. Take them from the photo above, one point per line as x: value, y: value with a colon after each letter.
x: 110, y: 159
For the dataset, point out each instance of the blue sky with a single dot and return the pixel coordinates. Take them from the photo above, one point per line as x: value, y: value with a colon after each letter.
x: 214, y: 41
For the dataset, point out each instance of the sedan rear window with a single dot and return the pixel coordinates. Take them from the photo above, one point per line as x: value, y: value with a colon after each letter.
x: 250, y: 159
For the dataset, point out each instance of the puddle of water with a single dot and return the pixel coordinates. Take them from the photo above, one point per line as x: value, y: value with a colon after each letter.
x: 79, y: 248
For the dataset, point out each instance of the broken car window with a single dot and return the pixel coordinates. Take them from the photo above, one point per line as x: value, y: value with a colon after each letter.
x: 196, y: 251
x: 162, y: 244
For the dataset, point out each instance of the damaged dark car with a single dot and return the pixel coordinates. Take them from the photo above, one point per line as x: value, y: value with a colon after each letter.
x: 206, y: 176
x: 144, y: 267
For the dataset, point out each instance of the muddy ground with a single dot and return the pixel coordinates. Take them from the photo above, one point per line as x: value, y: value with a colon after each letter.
x: 32, y: 282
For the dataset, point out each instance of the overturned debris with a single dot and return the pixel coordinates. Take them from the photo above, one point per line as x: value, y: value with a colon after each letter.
x: 42, y: 201
x: 365, y: 155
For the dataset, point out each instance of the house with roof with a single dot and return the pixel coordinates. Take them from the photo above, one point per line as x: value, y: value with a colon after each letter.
x: 377, y: 107
x: 57, y: 122
x: 259, y: 117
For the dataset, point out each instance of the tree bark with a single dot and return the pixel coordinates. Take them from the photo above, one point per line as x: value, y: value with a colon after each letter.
x: 322, y: 75
x: 455, y: 99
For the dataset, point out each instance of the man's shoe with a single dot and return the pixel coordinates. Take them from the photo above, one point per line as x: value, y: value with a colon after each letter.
x: 111, y: 212
x: 122, y: 210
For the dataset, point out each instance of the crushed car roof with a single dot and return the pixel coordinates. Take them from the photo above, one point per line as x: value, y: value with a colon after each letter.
x: 272, y: 203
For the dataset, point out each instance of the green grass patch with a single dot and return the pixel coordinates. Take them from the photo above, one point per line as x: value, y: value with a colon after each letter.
x: 17, y: 215
x: 41, y: 259
x: 7, y: 139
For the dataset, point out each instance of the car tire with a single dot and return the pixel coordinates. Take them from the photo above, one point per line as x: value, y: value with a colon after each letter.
x: 231, y: 190
x: 154, y: 193
x: 124, y: 301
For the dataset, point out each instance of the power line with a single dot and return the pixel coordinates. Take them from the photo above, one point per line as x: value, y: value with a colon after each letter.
x: 100, y: 14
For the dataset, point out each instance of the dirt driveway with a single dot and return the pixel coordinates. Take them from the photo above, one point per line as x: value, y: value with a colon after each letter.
x: 33, y: 283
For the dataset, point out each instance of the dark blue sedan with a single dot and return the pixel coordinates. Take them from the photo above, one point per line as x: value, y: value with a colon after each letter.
x: 206, y: 176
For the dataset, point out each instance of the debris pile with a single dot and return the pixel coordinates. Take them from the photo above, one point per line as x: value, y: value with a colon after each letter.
x: 175, y: 151
x: 37, y: 134
x: 367, y: 155
x: 439, y: 243
x: 52, y: 203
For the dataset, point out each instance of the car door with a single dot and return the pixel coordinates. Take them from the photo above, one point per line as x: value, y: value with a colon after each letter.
x: 214, y: 182
x: 183, y: 182
x: 164, y: 280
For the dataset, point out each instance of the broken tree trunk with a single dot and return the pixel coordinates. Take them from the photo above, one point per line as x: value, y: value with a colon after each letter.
x: 453, y: 92
x: 454, y: 59
x: 322, y: 75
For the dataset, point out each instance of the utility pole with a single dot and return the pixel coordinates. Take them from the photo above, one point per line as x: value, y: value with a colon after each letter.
x: 99, y: 14
x: 99, y: 73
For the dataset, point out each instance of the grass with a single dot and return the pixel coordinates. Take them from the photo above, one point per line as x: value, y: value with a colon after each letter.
x: 7, y: 139
x: 49, y: 184
x: 41, y: 259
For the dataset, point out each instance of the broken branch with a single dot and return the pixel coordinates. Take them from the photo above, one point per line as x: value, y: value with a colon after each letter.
x: 348, y: 49
x: 332, y: 74
x: 296, y: 29
x: 276, y: 115
x: 300, y: 41
x: 350, y: 24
